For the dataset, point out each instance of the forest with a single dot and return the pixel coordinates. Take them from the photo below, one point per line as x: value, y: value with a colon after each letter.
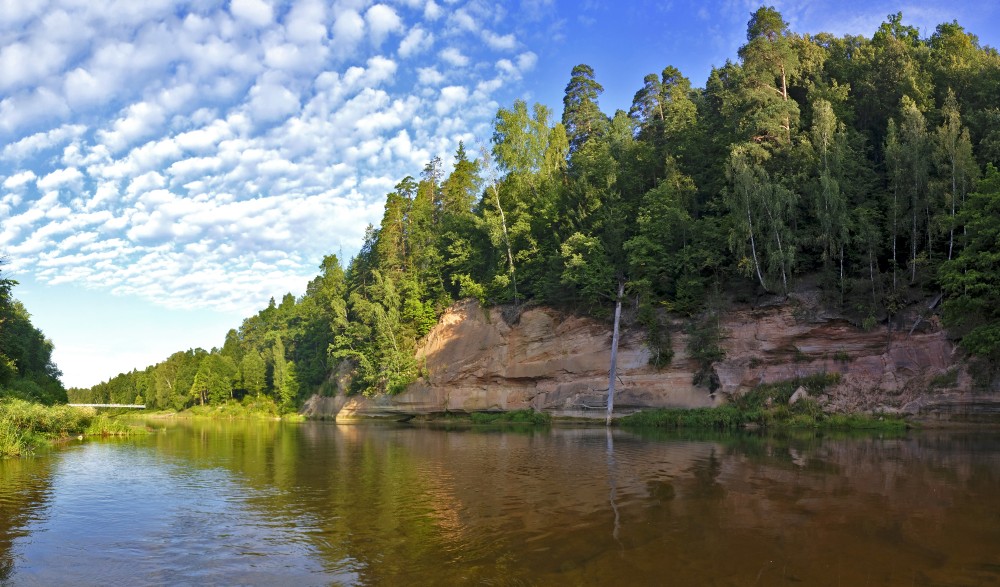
x: 26, y: 368
x: 862, y: 167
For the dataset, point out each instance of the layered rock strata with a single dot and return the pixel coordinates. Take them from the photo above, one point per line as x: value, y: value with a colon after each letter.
x: 475, y: 359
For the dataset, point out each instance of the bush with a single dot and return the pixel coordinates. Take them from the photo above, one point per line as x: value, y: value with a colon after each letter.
x: 767, y: 406
x: 513, y: 417
x: 26, y: 425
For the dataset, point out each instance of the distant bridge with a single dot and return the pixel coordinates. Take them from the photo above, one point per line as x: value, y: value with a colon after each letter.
x: 136, y: 406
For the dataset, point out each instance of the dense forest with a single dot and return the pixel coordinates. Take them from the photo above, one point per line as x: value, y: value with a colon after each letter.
x: 26, y: 368
x: 863, y: 167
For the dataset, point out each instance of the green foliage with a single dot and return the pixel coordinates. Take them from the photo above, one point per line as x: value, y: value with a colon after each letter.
x: 26, y: 368
x: 26, y: 425
x: 658, y: 337
x: 723, y: 418
x: 778, y: 394
x: 766, y: 406
x: 512, y: 417
x: 704, y: 346
x: 582, y: 117
x: 972, y: 279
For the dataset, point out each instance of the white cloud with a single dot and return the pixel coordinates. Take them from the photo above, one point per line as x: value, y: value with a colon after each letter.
x: 432, y: 11
x: 22, y: 64
x: 348, y: 30
x: 272, y: 101
x: 139, y: 121
x: 32, y: 144
x: 256, y: 12
x: 382, y: 20
x: 454, y: 57
x: 70, y: 177
x: 429, y: 76
x: 526, y: 61
x: 19, y: 179
x: 463, y: 21
x: 416, y: 41
x: 41, y: 104
x: 500, y: 42
x: 451, y: 97
x: 305, y: 23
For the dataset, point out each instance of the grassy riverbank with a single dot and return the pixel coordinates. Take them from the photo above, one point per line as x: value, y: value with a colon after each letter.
x: 248, y: 409
x: 527, y: 417
x: 26, y: 426
x: 767, y: 406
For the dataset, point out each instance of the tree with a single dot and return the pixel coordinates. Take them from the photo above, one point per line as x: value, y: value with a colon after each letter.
x: 956, y: 165
x: 759, y: 209
x: 253, y: 373
x: 908, y: 155
x: 582, y: 117
x: 769, y: 61
x: 890, y: 66
x: 26, y: 367
x: 971, y: 280
x: 829, y: 146
x: 518, y: 210
x: 665, y: 113
x: 279, y: 368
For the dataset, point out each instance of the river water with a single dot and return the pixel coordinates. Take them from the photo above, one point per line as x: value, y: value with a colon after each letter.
x: 269, y: 503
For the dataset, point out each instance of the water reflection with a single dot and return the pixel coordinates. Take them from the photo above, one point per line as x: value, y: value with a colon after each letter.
x: 24, y: 493
x: 272, y: 503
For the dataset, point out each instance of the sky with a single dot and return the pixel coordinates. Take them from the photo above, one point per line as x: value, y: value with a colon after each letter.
x: 168, y: 166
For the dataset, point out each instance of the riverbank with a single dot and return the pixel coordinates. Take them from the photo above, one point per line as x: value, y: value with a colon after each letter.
x: 250, y: 408
x: 26, y: 426
x: 788, y: 404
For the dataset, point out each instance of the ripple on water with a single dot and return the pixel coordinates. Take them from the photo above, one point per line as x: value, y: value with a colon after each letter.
x: 117, y: 515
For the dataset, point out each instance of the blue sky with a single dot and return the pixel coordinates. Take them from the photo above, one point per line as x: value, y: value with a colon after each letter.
x: 166, y: 167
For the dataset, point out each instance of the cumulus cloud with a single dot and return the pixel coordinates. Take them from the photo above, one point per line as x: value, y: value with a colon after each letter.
x: 453, y: 56
x: 209, y: 155
x: 500, y: 42
x: 429, y: 76
x: 432, y: 11
x: 69, y: 177
x: 450, y: 97
x: 256, y: 12
x: 348, y: 30
x: 416, y: 41
x: 382, y: 20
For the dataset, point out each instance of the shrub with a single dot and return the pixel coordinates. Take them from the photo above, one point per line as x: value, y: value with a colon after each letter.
x: 514, y: 417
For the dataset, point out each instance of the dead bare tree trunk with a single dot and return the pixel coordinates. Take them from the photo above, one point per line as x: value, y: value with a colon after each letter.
x: 612, y: 375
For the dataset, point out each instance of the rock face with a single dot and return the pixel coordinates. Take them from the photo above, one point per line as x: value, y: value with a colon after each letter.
x: 476, y: 360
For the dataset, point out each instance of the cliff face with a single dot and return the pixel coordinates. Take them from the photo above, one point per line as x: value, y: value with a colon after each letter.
x: 474, y: 360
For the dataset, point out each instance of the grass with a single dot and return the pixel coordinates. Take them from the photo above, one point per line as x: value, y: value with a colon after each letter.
x: 249, y: 408
x: 766, y: 406
x: 527, y: 417
x: 513, y: 417
x: 25, y: 426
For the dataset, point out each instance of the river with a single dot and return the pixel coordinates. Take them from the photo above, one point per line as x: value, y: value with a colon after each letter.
x: 270, y: 503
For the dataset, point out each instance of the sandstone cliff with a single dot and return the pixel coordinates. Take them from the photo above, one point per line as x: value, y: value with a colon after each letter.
x: 475, y: 360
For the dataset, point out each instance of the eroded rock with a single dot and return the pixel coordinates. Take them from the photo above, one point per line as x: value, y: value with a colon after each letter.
x: 474, y: 360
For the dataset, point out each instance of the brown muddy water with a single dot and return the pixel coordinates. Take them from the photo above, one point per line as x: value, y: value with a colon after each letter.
x: 266, y: 503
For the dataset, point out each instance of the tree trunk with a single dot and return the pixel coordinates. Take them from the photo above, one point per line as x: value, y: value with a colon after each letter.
x: 753, y: 250
x: 954, y: 190
x: 613, y: 371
